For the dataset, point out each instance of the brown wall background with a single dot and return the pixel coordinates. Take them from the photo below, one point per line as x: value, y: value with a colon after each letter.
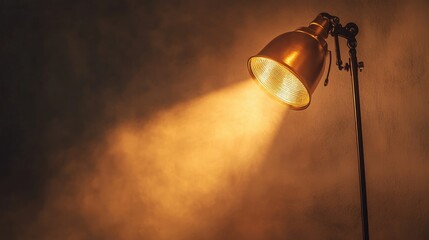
x: 130, y: 121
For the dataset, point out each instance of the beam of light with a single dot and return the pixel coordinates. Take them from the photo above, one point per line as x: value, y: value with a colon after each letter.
x: 195, y: 150
x: 176, y: 175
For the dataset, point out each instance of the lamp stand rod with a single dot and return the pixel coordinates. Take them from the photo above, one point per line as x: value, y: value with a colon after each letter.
x: 359, y: 140
x: 349, y: 32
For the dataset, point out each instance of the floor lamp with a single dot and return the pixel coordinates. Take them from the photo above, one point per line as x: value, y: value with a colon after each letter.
x: 291, y: 66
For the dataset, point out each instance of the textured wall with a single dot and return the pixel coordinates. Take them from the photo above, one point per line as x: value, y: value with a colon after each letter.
x: 137, y: 120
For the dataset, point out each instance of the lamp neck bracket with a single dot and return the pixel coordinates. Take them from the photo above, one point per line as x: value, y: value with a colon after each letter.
x: 349, y: 32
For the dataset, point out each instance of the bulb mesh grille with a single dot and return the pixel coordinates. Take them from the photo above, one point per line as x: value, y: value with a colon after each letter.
x: 279, y: 81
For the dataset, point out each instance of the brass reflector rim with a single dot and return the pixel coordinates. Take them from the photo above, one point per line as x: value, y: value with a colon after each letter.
x: 279, y: 81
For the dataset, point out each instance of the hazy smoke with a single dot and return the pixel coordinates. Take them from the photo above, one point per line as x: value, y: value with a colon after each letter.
x: 177, y: 176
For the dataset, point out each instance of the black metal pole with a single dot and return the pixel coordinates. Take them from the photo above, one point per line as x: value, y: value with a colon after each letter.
x: 362, y: 183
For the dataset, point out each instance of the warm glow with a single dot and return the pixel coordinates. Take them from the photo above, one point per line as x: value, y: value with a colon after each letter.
x: 195, y: 156
x: 279, y: 81
x: 176, y: 175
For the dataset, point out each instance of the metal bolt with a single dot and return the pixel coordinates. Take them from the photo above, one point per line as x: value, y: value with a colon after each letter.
x: 347, y: 67
x: 360, y: 66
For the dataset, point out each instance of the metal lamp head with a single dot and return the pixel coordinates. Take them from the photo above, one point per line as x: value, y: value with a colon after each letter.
x: 290, y: 66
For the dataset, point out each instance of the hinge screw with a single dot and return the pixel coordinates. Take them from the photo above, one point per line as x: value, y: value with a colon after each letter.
x: 360, y: 66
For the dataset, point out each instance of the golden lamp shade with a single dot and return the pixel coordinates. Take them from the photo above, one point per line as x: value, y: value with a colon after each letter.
x: 290, y: 66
